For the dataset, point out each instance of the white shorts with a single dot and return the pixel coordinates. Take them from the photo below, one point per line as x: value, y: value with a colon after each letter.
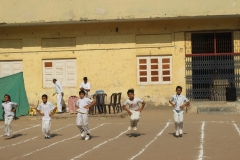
x: 135, y: 115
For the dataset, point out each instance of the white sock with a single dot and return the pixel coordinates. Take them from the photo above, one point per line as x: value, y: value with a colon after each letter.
x: 177, y: 132
x: 180, y: 131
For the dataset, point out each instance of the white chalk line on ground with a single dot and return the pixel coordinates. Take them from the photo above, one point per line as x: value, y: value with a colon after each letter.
x: 100, y: 145
x: 200, y: 155
x: 25, y: 155
x: 146, y: 146
x: 22, y: 129
x: 236, y: 127
x: 11, y: 145
x: 188, y: 122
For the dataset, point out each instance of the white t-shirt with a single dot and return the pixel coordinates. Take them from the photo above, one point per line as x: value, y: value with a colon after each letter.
x: 133, y: 105
x: 8, y: 106
x: 85, y: 86
x: 178, y: 101
x: 46, y: 109
x: 59, y: 88
x: 81, y: 103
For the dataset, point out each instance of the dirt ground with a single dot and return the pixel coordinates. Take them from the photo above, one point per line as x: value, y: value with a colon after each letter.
x: 215, y: 137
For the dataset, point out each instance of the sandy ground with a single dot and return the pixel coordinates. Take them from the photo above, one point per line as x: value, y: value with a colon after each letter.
x: 214, y: 137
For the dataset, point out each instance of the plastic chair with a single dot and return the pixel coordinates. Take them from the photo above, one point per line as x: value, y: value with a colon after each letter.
x: 102, y: 104
x: 118, y: 104
x: 115, y: 103
x: 111, y: 103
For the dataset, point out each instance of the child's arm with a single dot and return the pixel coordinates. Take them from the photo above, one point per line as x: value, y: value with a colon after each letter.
x: 186, y: 104
x: 91, y: 104
x: 172, y: 104
x: 40, y: 113
x: 126, y: 109
x: 171, y: 101
x: 14, y: 109
x: 143, y: 105
x: 53, y: 112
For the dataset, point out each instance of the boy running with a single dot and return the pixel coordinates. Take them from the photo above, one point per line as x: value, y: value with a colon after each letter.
x: 82, y: 105
x: 46, y: 110
x: 180, y: 102
x: 9, y: 109
x: 134, y: 109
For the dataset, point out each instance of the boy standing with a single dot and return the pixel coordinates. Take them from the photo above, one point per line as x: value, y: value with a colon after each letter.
x: 134, y: 109
x: 9, y: 109
x: 180, y: 102
x: 85, y: 86
x: 60, y: 94
x: 82, y: 105
x: 46, y: 110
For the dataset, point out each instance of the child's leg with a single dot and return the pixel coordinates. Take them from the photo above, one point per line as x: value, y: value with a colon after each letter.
x: 8, y: 121
x: 132, y: 123
x: 59, y: 102
x: 79, y: 122
x: 137, y: 117
x: 6, y: 125
x: 181, y: 115
x: 85, y: 123
x: 47, y: 127
x: 132, y: 120
x: 135, y: 123
x: 176, y: 119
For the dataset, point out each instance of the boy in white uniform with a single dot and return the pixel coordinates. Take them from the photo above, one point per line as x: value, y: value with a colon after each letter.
x: 46, y: 110
x: 9, y: 109
x: 82, y: 105
x: 85, y: 86
x: 134, y: 109
x: 60, y: 94
x: 180, y: 102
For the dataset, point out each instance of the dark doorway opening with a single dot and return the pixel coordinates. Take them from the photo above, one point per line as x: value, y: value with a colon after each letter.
x: 212, y: 65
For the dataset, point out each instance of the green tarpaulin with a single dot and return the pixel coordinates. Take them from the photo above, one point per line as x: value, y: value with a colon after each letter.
x: 14, y: 86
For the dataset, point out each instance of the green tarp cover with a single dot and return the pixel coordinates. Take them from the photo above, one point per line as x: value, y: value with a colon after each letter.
x: 14, y: 86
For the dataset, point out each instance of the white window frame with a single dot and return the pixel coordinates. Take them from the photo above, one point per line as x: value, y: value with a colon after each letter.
x: 160, y: 69
x: 13, y: 69
x: 63, y: 81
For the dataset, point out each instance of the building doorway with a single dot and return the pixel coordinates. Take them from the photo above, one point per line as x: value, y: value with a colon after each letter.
x: 210, y: 67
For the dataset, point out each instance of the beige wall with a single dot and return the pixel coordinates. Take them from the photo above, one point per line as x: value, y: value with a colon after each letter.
x: 27, y: 11
x: 106, y: 57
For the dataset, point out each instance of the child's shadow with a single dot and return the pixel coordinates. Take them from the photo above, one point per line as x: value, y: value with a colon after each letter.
x: 15, y: 136
x: 55, y: 135
x: 134, y: 134
x: 173, y: 134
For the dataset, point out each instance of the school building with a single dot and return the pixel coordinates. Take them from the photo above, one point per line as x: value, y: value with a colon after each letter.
x: 151, y: 46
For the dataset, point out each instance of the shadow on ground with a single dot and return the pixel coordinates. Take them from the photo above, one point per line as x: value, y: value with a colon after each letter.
x: 15, y: 136
x: 55, y: 135
x: 135, y: 134
x: 173, y: 134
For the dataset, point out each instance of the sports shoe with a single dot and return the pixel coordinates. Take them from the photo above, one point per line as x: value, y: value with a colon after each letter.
x: 129, y: 128
x: 47, y: 137
x: 83, y: 134
x: 134, y: 128
x: 87, y: 137
x: 8, y: 134
x: 177, y: 134
x: 180, y: 131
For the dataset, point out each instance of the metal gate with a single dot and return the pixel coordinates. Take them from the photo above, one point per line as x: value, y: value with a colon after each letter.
x: 211, y: 67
